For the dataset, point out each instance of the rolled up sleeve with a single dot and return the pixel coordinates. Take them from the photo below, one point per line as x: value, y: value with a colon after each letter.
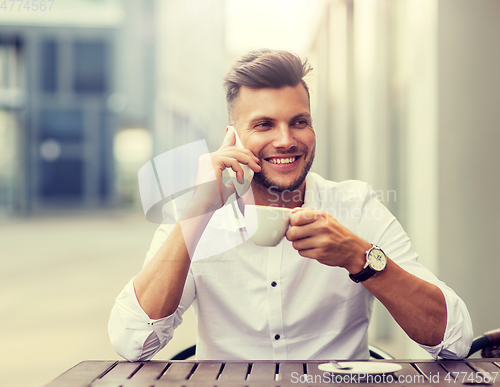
x: 458, y: 335
x: 133, y: 334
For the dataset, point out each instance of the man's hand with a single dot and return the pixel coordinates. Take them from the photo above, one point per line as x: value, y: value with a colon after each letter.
x: 213, y: 194
x: 318, y: 235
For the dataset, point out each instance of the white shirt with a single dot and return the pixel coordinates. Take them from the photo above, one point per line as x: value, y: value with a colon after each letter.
x: 254, y: 302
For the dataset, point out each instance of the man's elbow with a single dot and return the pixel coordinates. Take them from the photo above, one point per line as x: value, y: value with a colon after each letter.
x: 132, y: 350
x: 125, y: 350
x: 458, y: 345
x: 121, y: 345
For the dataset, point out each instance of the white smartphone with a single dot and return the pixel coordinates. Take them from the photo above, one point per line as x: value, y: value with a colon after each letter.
x: 241, y: 189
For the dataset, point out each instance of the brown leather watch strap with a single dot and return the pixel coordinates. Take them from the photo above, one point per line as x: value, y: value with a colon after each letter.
x: 494, y: 337
x: 493, y: 348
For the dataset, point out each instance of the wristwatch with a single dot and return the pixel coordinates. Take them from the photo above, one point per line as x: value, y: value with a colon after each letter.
x: 376, y: 261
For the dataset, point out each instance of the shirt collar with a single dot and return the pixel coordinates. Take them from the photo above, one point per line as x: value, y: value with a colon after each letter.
x: 312, y: 196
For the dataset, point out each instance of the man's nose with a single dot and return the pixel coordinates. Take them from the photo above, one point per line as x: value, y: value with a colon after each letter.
x: 284, y: 138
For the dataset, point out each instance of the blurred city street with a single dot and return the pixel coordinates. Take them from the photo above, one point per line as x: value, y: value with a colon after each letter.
x: 59, y: 276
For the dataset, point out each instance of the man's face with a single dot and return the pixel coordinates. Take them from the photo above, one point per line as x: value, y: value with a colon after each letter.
x: 276, y: 125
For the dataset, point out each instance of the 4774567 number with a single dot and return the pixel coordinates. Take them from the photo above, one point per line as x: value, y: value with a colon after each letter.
x: 26, y: 5
x: 471, y: 377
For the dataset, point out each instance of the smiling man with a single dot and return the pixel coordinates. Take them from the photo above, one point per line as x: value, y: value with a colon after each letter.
x: 311, y: 296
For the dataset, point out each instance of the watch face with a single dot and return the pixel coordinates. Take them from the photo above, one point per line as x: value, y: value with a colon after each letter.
x: 377, y: 260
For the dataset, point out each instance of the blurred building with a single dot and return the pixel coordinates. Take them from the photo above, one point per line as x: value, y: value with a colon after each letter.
x: 67, y: 85
x: 92, y: 89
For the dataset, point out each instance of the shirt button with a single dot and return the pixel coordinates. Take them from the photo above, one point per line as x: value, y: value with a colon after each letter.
x: 274, y: 283
x: 277, y: 337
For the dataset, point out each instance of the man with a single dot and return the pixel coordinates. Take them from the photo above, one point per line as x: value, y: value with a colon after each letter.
x: 311, y: 296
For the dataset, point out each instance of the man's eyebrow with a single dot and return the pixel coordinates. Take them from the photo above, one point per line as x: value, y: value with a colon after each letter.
x: 266, y: 118
x: 301, y: 115
x: 262, y: 118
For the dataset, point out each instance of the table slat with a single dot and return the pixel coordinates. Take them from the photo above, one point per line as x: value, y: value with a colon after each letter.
x: 434, y: 373
x: 206, y: 372
x: 455, y: 366
x: 126, y: 383
x: 151, y: 370
x: 312, y: 369
x: 287, y: 369
x: 466, y: 374
x: 121, y: 371
x: 234, y: 372
x: 82, y: 374
x: 485, y: 366
x: 407, y: 369
x: 262, y: 372
x: 178, y: 371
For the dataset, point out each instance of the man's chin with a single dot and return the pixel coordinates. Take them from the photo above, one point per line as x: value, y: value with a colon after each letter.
x: 276, y: 186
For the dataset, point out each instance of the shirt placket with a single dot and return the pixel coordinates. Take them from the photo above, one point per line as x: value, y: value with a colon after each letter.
x: 274, y: 287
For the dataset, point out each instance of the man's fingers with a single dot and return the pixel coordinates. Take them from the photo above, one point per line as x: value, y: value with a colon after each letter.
x: 305, y: 216
x: 304, y: 244
x: 296, y: 233
x: 301, y: 222
x: 229, y: 162
x: 312, y: 253
x: 242, y: 156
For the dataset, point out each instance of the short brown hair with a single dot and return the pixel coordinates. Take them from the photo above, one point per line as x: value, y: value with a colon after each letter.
x: 265, y: 69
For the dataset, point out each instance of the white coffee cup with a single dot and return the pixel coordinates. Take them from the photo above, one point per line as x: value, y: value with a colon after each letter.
x: 267, y: 225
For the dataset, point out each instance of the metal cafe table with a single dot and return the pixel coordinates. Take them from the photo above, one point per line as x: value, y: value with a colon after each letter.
x: 479, y: 372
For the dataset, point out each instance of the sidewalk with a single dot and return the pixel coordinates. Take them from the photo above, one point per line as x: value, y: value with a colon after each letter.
x: 59, y: 277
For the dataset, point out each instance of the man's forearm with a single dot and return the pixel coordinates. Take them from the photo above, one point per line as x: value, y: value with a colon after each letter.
x: 418, y: 306
x: 159, y: 285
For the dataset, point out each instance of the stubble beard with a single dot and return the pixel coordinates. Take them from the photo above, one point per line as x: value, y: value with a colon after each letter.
x: 272, y: 185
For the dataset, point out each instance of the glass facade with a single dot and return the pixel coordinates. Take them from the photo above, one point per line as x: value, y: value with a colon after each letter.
x: 61, y: 124
x: 48, y: 66
x: 63, y: 129
x: 89, y: 74
x: 62, y: 179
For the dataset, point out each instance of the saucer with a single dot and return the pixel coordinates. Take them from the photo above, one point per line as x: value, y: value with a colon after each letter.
x: 361, y: 367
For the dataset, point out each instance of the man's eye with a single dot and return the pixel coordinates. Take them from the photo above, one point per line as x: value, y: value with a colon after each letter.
x: 301, y: 124
x: 263, y: 125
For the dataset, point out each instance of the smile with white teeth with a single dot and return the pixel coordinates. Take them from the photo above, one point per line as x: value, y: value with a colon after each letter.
x: 283, y: 161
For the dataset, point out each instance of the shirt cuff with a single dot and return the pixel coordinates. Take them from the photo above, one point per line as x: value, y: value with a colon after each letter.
x: 458, y: 334
x: 133, y: 326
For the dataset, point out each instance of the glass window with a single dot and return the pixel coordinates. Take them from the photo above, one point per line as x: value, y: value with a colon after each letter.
x: 89, y: 60
x: 61, y: 124
x: 48, y: 66
x: 62, y: 178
